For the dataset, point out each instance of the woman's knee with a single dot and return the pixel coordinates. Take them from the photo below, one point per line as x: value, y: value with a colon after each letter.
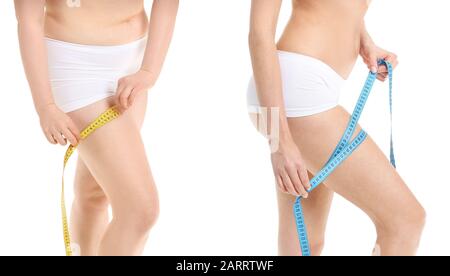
x: 140, y: 214
x: 141, y: 220
x: 147, y: 217
x: 317, y: 245
x: 405, y: 222
x: 90, y: 198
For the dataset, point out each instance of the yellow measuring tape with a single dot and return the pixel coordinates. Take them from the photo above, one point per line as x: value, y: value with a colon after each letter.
x: 106, y: 117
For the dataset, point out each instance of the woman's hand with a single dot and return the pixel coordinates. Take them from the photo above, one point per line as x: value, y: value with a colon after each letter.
x: 290, y: 170
x: 130, y: 86
x: 372, y: 53
x: 58, y: 127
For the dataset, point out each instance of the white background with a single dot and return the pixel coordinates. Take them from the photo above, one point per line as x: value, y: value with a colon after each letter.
x: 212, y: 168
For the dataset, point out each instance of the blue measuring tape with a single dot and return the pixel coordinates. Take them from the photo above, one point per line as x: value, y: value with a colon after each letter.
x: 343, y: 150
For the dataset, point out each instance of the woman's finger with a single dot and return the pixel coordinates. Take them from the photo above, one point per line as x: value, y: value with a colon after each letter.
x: 124, y: 95
x: 303, y: 192
x: 74, y: 129
x: 119, y: 91
x: 392, y: 59
x: 58, y: 137
x: 381, y: 78
x: 372, y: 63
x: 382, y: 69
x: 69, y: 136
x: 281, y: 185
x: 133, y: 96
x: 296, y: 182
x: 288, y: 183
x: 303, y: 174
x: 50, y: 138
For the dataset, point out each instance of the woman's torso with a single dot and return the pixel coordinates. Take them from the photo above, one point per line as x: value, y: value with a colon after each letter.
x: 96, y: 22
x: 328, y: 30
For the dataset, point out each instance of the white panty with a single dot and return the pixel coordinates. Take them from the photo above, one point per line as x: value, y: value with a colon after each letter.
x: 83, y: 74
x: 310, y: 86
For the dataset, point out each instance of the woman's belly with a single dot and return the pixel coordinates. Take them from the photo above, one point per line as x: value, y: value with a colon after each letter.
x: 99, y: 22
x: 328, y: 30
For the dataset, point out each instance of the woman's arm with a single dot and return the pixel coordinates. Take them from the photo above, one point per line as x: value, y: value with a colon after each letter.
x: 263, y: 51
x: 287, y: 162
x: 371, y: 53
x: 161, y: 27
x: 56, y: 125
x: 30, y: 18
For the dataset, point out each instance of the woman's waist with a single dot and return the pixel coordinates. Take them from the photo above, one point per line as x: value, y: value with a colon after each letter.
x: 87, y: 31
x: 338, y: 49
x: 84, y: 60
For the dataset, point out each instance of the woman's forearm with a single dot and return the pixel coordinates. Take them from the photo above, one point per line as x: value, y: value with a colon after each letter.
x: 267, y: 74
x: 365, y: 38
x: 161, y: 27
x: 266, y: 66
x: 34, y: 57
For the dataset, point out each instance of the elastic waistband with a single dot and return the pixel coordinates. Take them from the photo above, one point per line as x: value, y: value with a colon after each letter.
x: 132, y: 44
x: 311, y: 61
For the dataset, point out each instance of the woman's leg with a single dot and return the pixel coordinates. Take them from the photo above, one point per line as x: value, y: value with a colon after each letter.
x: 116, y: 158
x: 89, y: 216
x: 366, y: 179
x: 316, y: 209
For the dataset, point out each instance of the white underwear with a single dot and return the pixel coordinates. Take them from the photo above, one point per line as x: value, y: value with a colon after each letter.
x: 310, y: 86
x: 84, y: 74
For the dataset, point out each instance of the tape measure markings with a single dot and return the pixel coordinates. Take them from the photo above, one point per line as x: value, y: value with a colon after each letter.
x: 342, y: 151
x: 106, y: 117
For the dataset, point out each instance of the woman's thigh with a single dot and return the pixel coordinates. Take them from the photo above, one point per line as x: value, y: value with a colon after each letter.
x: 316, y: 210
x: 115, y: 155
x: 366, y: 178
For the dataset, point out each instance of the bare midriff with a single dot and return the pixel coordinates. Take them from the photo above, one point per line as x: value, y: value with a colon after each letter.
x: 96, y: 22
x: 328, y: 30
